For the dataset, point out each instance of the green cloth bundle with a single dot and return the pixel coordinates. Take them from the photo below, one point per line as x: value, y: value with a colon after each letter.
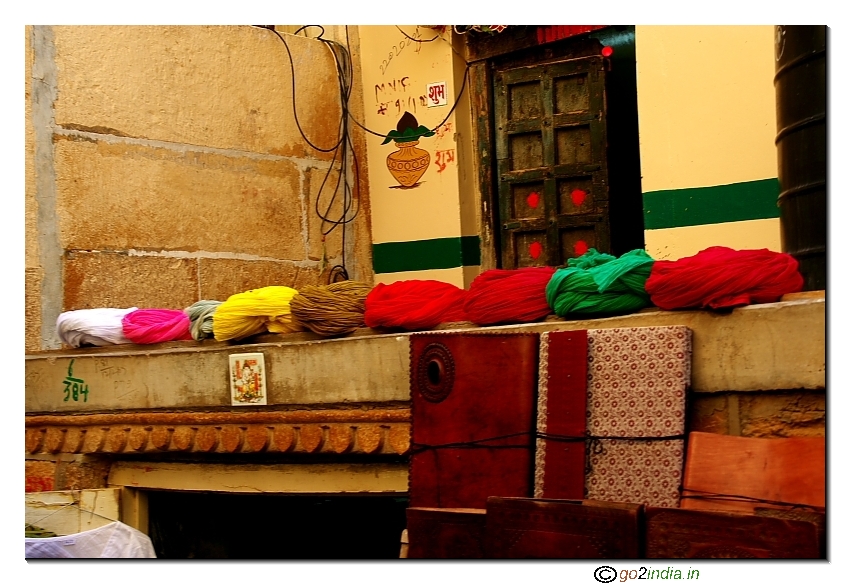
x: 598, y: 283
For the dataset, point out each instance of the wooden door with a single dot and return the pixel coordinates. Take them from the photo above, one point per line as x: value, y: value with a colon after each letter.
x: 551, y: 163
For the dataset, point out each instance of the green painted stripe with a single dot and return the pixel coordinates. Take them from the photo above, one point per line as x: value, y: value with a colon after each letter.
x: 687, y: 207
x: 428, y: 254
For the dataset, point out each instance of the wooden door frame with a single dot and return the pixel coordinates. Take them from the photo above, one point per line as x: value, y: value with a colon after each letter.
x: 522, y: 45
x: 554, y: 172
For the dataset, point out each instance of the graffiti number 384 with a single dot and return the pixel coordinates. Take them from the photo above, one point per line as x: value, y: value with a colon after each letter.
x: 74, y: 387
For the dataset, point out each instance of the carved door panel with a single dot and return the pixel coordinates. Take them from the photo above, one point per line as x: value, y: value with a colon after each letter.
x: 551, y: 162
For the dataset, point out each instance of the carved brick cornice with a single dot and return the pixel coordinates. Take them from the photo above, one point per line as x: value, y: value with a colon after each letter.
x: 384, y: 431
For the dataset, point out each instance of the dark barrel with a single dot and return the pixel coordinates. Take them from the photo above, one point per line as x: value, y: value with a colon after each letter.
x: 800, y: 84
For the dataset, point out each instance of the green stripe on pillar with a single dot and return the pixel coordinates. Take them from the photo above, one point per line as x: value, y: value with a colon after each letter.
x: 443, y: 253
x: 687, y: 207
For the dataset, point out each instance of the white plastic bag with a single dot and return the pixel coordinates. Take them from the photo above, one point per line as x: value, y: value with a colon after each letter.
x: 112, y: 541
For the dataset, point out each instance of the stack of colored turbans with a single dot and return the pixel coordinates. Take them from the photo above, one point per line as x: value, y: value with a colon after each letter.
x: 594, y: 284
x: 331, y: 310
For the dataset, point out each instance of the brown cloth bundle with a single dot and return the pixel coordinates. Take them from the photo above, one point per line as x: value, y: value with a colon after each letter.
x: 331, y: 310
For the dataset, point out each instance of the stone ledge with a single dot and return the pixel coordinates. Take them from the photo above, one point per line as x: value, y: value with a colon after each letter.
x: 762, y: 347
x: 286, y: 432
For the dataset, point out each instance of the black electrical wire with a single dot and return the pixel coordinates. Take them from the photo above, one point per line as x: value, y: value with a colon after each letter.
x: 341, y: 147
x: 294, y: 105
x: 344, y: 144
x: 306, y: 26
x: 345, y: 94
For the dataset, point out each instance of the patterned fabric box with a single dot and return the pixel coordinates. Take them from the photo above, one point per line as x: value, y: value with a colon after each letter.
x: 637, y: 382
x: 611, y: 414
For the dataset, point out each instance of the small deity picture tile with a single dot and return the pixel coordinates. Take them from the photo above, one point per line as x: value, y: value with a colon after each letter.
x: 247, y: 379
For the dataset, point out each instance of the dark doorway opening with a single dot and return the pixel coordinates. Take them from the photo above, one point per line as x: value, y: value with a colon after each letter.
x: 206, y: 525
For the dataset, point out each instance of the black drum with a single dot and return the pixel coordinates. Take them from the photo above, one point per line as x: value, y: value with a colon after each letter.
x: 800, y: 83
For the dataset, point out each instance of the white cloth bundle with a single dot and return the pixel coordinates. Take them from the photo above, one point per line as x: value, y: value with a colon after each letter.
x: 112, y: 541
x: 96, y: 327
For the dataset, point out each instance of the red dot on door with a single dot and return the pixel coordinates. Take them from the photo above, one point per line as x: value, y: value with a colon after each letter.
x: 580, y: 248
x: 533, y: 200
x: 535, y: 249
x: 578, y: 196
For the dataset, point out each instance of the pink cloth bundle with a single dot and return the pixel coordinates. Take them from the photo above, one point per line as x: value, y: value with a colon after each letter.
x: 152, y: 326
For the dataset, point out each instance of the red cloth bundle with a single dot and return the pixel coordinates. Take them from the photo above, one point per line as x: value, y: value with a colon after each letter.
x: 720, y: 277
x: 414, y: 305
x: 152, y: 326
x: 505, y: 296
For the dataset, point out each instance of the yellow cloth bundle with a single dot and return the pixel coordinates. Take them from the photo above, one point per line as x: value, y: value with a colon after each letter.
x: 255, y: 311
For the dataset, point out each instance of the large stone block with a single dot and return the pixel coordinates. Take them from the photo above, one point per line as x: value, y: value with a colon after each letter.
x: 221, y: 278
x: 708, y: 413
x: 82, y: 475
x: 325, y: 200
x: 40, y: 476
x: 220, y: 86
x: 111, y: 280
x: 30, y: 205
x: 365, y: 370
x: 783, y: 414
x: 754, y: 349
x: 32, y: 309
x: 123, y: 196
x: 761, y: 347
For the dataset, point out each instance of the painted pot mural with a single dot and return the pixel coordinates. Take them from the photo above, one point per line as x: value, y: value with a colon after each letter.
x: 408, y: 163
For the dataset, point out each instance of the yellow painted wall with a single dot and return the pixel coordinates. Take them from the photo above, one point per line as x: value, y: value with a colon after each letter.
x: 458, y: 276
x: 672, y: 244
x: 706, y: 105
x: 707, y: 117
x: 396, y: 72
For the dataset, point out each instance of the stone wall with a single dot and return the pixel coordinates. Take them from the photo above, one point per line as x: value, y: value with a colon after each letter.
x: 164, y: 166
x: 66, y: 472
x: 760, y: 413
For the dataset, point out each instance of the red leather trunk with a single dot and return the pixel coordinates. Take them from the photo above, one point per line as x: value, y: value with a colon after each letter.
x: 673, y: 533
x: 562, y: 529
x: 443, y: 533
x: 472, y: 417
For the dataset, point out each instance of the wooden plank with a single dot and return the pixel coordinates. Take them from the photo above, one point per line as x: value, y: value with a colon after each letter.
x: 261, y: 478
x: 790, y: 470
x: 481, y: 95
x: 134, y: 508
